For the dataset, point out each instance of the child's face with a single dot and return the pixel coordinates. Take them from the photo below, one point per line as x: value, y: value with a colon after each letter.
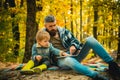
x: 44, y: 43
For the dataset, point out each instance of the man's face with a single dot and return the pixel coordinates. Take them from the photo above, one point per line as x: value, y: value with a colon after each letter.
x: 51, y: 28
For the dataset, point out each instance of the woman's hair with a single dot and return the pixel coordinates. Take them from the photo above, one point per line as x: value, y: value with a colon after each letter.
x: 42, y: 35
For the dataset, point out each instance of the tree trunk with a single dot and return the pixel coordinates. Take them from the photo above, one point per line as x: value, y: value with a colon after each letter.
x: 11, y: 3
x: 31, y: 29
x: 0, y: 3
x: 71, y: 17
x: 118, y: 53
x: 15, y: 29
x: 76, y: 29
x: 80, y: 20
x: 95, y: 21
x: 65, y: 21
x: 21, y: 3
x: 5, y: 4
x: 16, y: 36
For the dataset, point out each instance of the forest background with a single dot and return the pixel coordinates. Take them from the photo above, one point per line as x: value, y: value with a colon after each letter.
x: 20, y: 20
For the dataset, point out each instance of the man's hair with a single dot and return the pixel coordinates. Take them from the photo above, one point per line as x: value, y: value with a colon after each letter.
x: 49, y: 18
x: 42, y: 35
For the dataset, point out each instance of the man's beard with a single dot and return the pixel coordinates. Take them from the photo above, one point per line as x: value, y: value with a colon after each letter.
x: 52, y: 32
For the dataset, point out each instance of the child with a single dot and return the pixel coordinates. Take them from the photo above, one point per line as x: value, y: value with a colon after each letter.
x: 41, y: 54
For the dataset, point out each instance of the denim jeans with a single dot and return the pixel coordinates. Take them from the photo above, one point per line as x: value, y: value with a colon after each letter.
x: 74, y: 63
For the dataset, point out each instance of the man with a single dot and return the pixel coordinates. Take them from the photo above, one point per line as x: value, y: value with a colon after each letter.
x: 63, y: 39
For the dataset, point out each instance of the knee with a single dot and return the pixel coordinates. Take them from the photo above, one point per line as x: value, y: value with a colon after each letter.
x: 90, y: 40
x: 69, y: 61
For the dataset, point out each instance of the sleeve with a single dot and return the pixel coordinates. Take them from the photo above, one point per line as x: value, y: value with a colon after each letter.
x: 34, y: 52
x: 55, y: 51
x: 73, y: 40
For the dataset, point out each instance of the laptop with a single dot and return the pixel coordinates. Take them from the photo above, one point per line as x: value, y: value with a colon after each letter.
x: 73, y: 56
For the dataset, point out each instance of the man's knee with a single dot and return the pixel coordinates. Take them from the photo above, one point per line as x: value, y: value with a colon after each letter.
x: 90, y: 40
x: 69, y: 61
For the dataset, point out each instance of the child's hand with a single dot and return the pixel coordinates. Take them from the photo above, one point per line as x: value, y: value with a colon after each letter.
x: 65, y: 54
x: 38, y: 57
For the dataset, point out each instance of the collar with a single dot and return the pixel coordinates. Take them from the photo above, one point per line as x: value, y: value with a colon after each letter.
x: 37, y: 45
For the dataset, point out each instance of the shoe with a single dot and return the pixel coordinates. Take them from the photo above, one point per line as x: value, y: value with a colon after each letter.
x: 27, y: 72
x: 100, y: 77
x: 37, y: 70
x: 114, y: 70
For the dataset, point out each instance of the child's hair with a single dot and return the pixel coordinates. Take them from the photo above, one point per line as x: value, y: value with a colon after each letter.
x: 42, y: 35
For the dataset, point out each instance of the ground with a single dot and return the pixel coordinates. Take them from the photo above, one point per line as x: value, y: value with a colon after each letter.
x: 45, y: 75
x: 57, y: 75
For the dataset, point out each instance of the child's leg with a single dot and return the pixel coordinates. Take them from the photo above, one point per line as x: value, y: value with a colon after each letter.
x: 26, y: 70
x: 29, y: 65
x: 40, y: 68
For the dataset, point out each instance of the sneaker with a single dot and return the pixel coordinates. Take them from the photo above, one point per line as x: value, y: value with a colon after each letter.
x: 37, y: 70
x: 114, y: 71
x: 27, y: 72
x: 100, y: 77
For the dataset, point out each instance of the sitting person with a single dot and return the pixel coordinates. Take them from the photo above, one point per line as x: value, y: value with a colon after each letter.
x: 41, y: 54
x: 64, y: 40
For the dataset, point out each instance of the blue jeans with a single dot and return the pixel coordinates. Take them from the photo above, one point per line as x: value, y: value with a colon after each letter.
x: 74, y: 63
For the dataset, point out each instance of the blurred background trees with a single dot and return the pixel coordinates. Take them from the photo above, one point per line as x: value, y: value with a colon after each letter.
x: 20, y: 19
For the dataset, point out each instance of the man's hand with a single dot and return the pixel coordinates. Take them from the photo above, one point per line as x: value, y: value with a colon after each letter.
x: 72, y: 50
x: 38, y: 58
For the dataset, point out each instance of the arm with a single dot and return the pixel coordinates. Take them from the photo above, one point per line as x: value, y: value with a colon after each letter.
x: 35, y: 56
x: 54, y: 51
x: 74, y: 44
x: 57, y: 52
x: 63, y: 54
x: 72, y: 40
